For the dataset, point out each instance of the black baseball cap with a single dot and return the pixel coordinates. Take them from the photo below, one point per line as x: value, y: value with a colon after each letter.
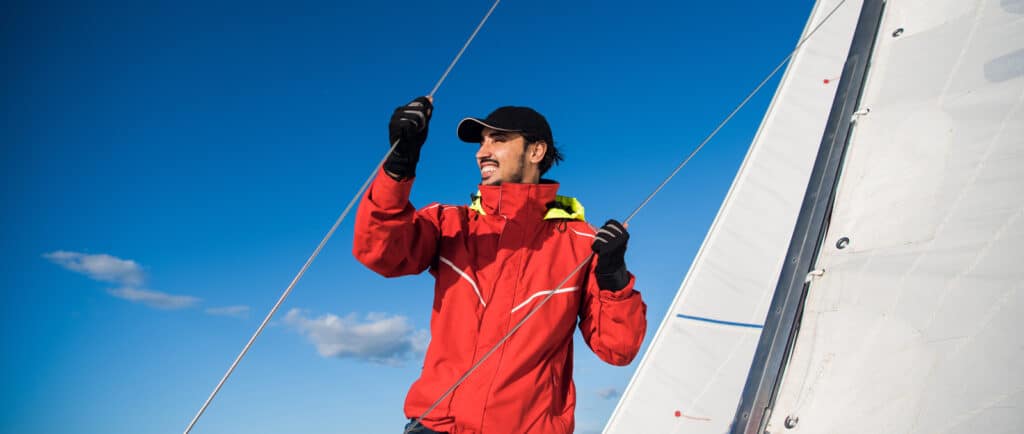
x: 523, y: 120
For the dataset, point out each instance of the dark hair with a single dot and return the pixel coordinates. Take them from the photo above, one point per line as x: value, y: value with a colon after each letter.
x: 551, y: 155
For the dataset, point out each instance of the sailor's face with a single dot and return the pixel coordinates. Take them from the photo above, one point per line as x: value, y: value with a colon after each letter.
x: 501, y: 157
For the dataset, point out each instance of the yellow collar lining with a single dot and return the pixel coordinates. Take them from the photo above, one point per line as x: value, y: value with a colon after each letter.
x: 563, y: 207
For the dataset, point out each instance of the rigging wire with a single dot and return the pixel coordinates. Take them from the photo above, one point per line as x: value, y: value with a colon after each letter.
x: 463, y: 50
x: 288, y: 291
x: 728, y: 118
x: 497, y: 345
x: 644, y: 203
x: 327, y: 237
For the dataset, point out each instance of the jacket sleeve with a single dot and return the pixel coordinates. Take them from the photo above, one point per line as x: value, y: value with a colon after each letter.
x: 391, y: 237
x: 613, y: 322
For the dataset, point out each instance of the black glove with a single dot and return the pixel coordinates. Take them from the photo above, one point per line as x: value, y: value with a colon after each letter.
x: 610, y: 246
x: 408, y: 126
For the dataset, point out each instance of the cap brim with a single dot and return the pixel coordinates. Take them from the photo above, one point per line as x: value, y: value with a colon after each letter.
x: 471, y: 130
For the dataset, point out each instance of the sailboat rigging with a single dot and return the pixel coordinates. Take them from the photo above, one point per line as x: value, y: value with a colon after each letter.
x: 892, y: 253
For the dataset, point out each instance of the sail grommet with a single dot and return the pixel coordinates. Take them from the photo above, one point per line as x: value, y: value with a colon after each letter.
x: 842, y: 243
x: 897, y: 32
x: 791, y: 422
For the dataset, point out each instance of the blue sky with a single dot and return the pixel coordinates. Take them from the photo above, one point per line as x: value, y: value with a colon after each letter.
x: 169, y: 166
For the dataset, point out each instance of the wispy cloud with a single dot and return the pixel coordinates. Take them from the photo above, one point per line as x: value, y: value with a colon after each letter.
x: 157, y: 299
x: 102, y: 267
x: 609, y: 393
x: 126, y: 272
x: 377, y: 338
x: 241, y: 312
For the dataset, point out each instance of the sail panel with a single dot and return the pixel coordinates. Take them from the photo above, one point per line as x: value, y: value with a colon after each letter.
x: 914, y: 324
x: 692, y: 374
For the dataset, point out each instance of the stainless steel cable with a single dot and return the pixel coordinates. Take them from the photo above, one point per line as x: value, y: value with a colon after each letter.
x: 626, y: 221
x: 499, y: 344
x: 464, y: 46
x: 327, y: 237
x: 733, y: 113
x: 288, y: 290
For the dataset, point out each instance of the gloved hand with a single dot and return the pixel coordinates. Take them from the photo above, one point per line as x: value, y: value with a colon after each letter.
x: 610, y: 246
x: 409, y: 125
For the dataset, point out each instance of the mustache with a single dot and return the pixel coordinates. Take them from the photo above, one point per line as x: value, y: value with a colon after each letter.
x: 487, y: 160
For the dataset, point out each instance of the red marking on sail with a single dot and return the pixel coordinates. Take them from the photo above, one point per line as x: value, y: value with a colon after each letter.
x: 680, y: 414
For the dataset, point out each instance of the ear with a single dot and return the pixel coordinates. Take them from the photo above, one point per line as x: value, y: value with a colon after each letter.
x: 536, y: 151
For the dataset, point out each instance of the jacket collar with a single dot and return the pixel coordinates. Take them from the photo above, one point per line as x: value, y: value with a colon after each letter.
x: 526, y: 201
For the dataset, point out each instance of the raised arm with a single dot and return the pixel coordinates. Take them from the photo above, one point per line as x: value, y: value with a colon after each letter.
x: 391, y: 237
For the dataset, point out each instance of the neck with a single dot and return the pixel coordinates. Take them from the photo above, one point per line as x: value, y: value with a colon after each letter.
x: 531, y: 175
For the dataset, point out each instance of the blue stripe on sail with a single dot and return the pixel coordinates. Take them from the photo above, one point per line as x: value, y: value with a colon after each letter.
x: 718, y: 321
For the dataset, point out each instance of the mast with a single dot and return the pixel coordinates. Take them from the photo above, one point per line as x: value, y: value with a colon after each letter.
x: 783, y: 321
x: 691, y: 376
x: 901, y: 302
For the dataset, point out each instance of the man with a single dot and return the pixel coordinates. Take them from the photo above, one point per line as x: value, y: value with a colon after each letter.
x: 494, y: 261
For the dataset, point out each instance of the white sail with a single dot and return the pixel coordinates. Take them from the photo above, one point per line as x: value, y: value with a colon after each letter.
x: 692, y: 375
x: 914, y: 326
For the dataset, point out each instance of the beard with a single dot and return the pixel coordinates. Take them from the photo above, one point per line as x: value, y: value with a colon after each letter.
x: 516, y: 177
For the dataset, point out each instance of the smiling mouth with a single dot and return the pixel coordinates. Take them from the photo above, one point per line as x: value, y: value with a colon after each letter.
x: 488, y: 168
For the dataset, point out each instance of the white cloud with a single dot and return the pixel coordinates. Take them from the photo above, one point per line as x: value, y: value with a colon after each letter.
x: 230, y: 311
x: 609, y: 393
x: 378, y: 338
x: 126, y: 272
x: 157, y: 299
x: 102, y: 267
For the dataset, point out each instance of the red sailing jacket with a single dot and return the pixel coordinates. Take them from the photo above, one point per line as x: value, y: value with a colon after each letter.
x: 493, y: 261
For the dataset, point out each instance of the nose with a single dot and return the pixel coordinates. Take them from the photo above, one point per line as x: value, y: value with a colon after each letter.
x: 485, y: 149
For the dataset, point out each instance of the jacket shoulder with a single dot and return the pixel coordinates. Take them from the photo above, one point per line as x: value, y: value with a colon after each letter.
x: 440, y: 211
